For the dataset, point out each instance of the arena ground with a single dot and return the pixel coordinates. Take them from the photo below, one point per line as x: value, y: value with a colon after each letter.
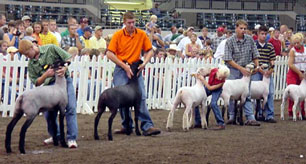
x: 283, y: 142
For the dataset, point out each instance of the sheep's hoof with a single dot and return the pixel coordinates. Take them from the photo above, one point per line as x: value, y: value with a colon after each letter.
x: 110, y: 138
x: 282, y: 118
x: 22, y: 151
x: 55, y: 143
x: 8, y: 150
x: 168, y: 129
x: 64, y: 144
x: 97, y: 138
x: 138, y: 133
x: 185, y: 130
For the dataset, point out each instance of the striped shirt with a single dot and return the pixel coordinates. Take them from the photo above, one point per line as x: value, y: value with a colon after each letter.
x: 242, y: 51
x: 266, y: 53
x: 48, y: 54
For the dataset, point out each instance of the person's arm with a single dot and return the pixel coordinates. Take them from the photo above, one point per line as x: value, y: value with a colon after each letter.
x: 243, y: 70
x: 147, y: 58
x: 126, y: 67
x: 209, y: 87
x: 187, y: 52
x: 7, y: 39
x: 292, y: 66
x: 159, y: 40
x: 42, y: 78
x: 78, y: 41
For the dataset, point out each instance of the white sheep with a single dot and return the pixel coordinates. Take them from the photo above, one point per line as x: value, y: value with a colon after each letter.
x: 237, y: 89
x: 191, y: 97
x: 296, y: 93
x: 260, y: 89
x: 43, y: 98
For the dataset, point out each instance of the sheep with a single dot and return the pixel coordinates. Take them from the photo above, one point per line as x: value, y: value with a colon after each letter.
x: 237, y: 89
x: 190, y: 97
x: 43, y: 98
x: 121, y: 96
x: 260, y: 89
x: 296, y: 93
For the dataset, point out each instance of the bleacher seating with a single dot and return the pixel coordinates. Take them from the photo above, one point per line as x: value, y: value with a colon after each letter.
x: 112, y: 18
x: 300, y: 22
x: 37, y: 13
x: 214, y: 20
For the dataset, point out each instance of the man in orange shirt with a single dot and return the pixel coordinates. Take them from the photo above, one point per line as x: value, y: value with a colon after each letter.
x: 125, y: 47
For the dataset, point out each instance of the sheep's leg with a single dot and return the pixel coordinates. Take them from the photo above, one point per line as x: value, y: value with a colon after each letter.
x: 53, y: 124
x: 171, y: 114
x: 62, y: 132
x: 137, y: 108
x: 23, y: 131
x: 300, y: 113
x: 192, y: 118
x: 185, y: 117
x: 257, y: 109
x: 203, y: 116
x: 97, y: 119
x: 127, y: 118
x: 110, y: 122
x: 294, y: 109
x: 283, y: 106
x: 235, y: 113
x: 9, y: 130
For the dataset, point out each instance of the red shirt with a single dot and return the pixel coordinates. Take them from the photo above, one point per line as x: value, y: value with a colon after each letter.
x: 277, y: 46
x: 213, y: 80
x: 255, y: 37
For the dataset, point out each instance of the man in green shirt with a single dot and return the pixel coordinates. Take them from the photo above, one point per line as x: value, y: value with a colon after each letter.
x: 71, y: 21
x: 40, y: 58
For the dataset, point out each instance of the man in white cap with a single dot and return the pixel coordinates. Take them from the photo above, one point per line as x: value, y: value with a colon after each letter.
x: 26, y: 21
x: 97, y: 41
x: 255, y: 36
x: 271, y: 29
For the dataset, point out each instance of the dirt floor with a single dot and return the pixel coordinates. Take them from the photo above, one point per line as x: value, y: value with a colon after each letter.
x: 283, y: 142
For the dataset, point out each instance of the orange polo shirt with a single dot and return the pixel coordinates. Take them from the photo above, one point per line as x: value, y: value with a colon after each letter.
x: 128, y: 47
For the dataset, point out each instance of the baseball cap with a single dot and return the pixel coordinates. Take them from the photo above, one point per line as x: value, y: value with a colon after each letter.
x: 271, y: 29
x: 220, y: 29
x: 257, y: 27
x: 11, y: 49
x: 190, y: 28
x: 88, y: 29
x: 84, y: 20
x: 98, y: 28
x: 25, y: 18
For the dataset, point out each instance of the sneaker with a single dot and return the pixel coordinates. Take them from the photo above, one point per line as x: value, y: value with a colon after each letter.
x: 271, y: 120
x: 48, y: 141
x: 151, y: 131
x: 252, y: 123
x: 72, y: 144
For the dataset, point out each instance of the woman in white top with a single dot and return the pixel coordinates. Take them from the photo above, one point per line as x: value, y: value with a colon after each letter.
x: 297, y: 65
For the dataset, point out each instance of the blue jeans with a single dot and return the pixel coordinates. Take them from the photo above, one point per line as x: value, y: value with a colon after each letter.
x: 248, y: 106
x: 70, y: 114
x: 214, y: 105
x: 269, y: 107
x: 120, y: 78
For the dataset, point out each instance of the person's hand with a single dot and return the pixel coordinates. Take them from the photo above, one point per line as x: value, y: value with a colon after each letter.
x: 128, y: 71
x: 200, y: 77
x: 140, y: 68
x: 49, y: 72
x: 76, y: 35
x: 268, y: 73
x: 245, y: 72
x: 61, y: 71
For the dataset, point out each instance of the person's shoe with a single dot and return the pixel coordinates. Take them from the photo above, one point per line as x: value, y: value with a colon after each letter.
x: 198, y: 126
x: 72, y: 144
x: 48, y: 141
x: 219, y: 127
x: 151, y: 131
x: 271, y: 120
x: 230, y: 122
x: 261, y: 118
x: 252, y: 123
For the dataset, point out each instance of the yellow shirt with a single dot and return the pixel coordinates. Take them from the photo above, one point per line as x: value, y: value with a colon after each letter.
x: 48, y: 39
x: 86, y: 42
x: 96, y: 44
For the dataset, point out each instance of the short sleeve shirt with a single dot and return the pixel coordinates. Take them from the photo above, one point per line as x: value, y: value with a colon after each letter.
x: 213, y: 80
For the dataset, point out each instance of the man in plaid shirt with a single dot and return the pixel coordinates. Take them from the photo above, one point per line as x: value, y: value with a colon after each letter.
x: 72, y: 40
x: 240, y: 50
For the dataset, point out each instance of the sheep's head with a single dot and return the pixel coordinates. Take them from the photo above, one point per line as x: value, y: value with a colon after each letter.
x: 134, y: 66
x: 250, y: 67
x: 204, y: 71
x: 59, y: 63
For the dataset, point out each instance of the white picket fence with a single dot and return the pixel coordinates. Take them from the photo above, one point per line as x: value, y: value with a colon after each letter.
x: 162, y: 80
